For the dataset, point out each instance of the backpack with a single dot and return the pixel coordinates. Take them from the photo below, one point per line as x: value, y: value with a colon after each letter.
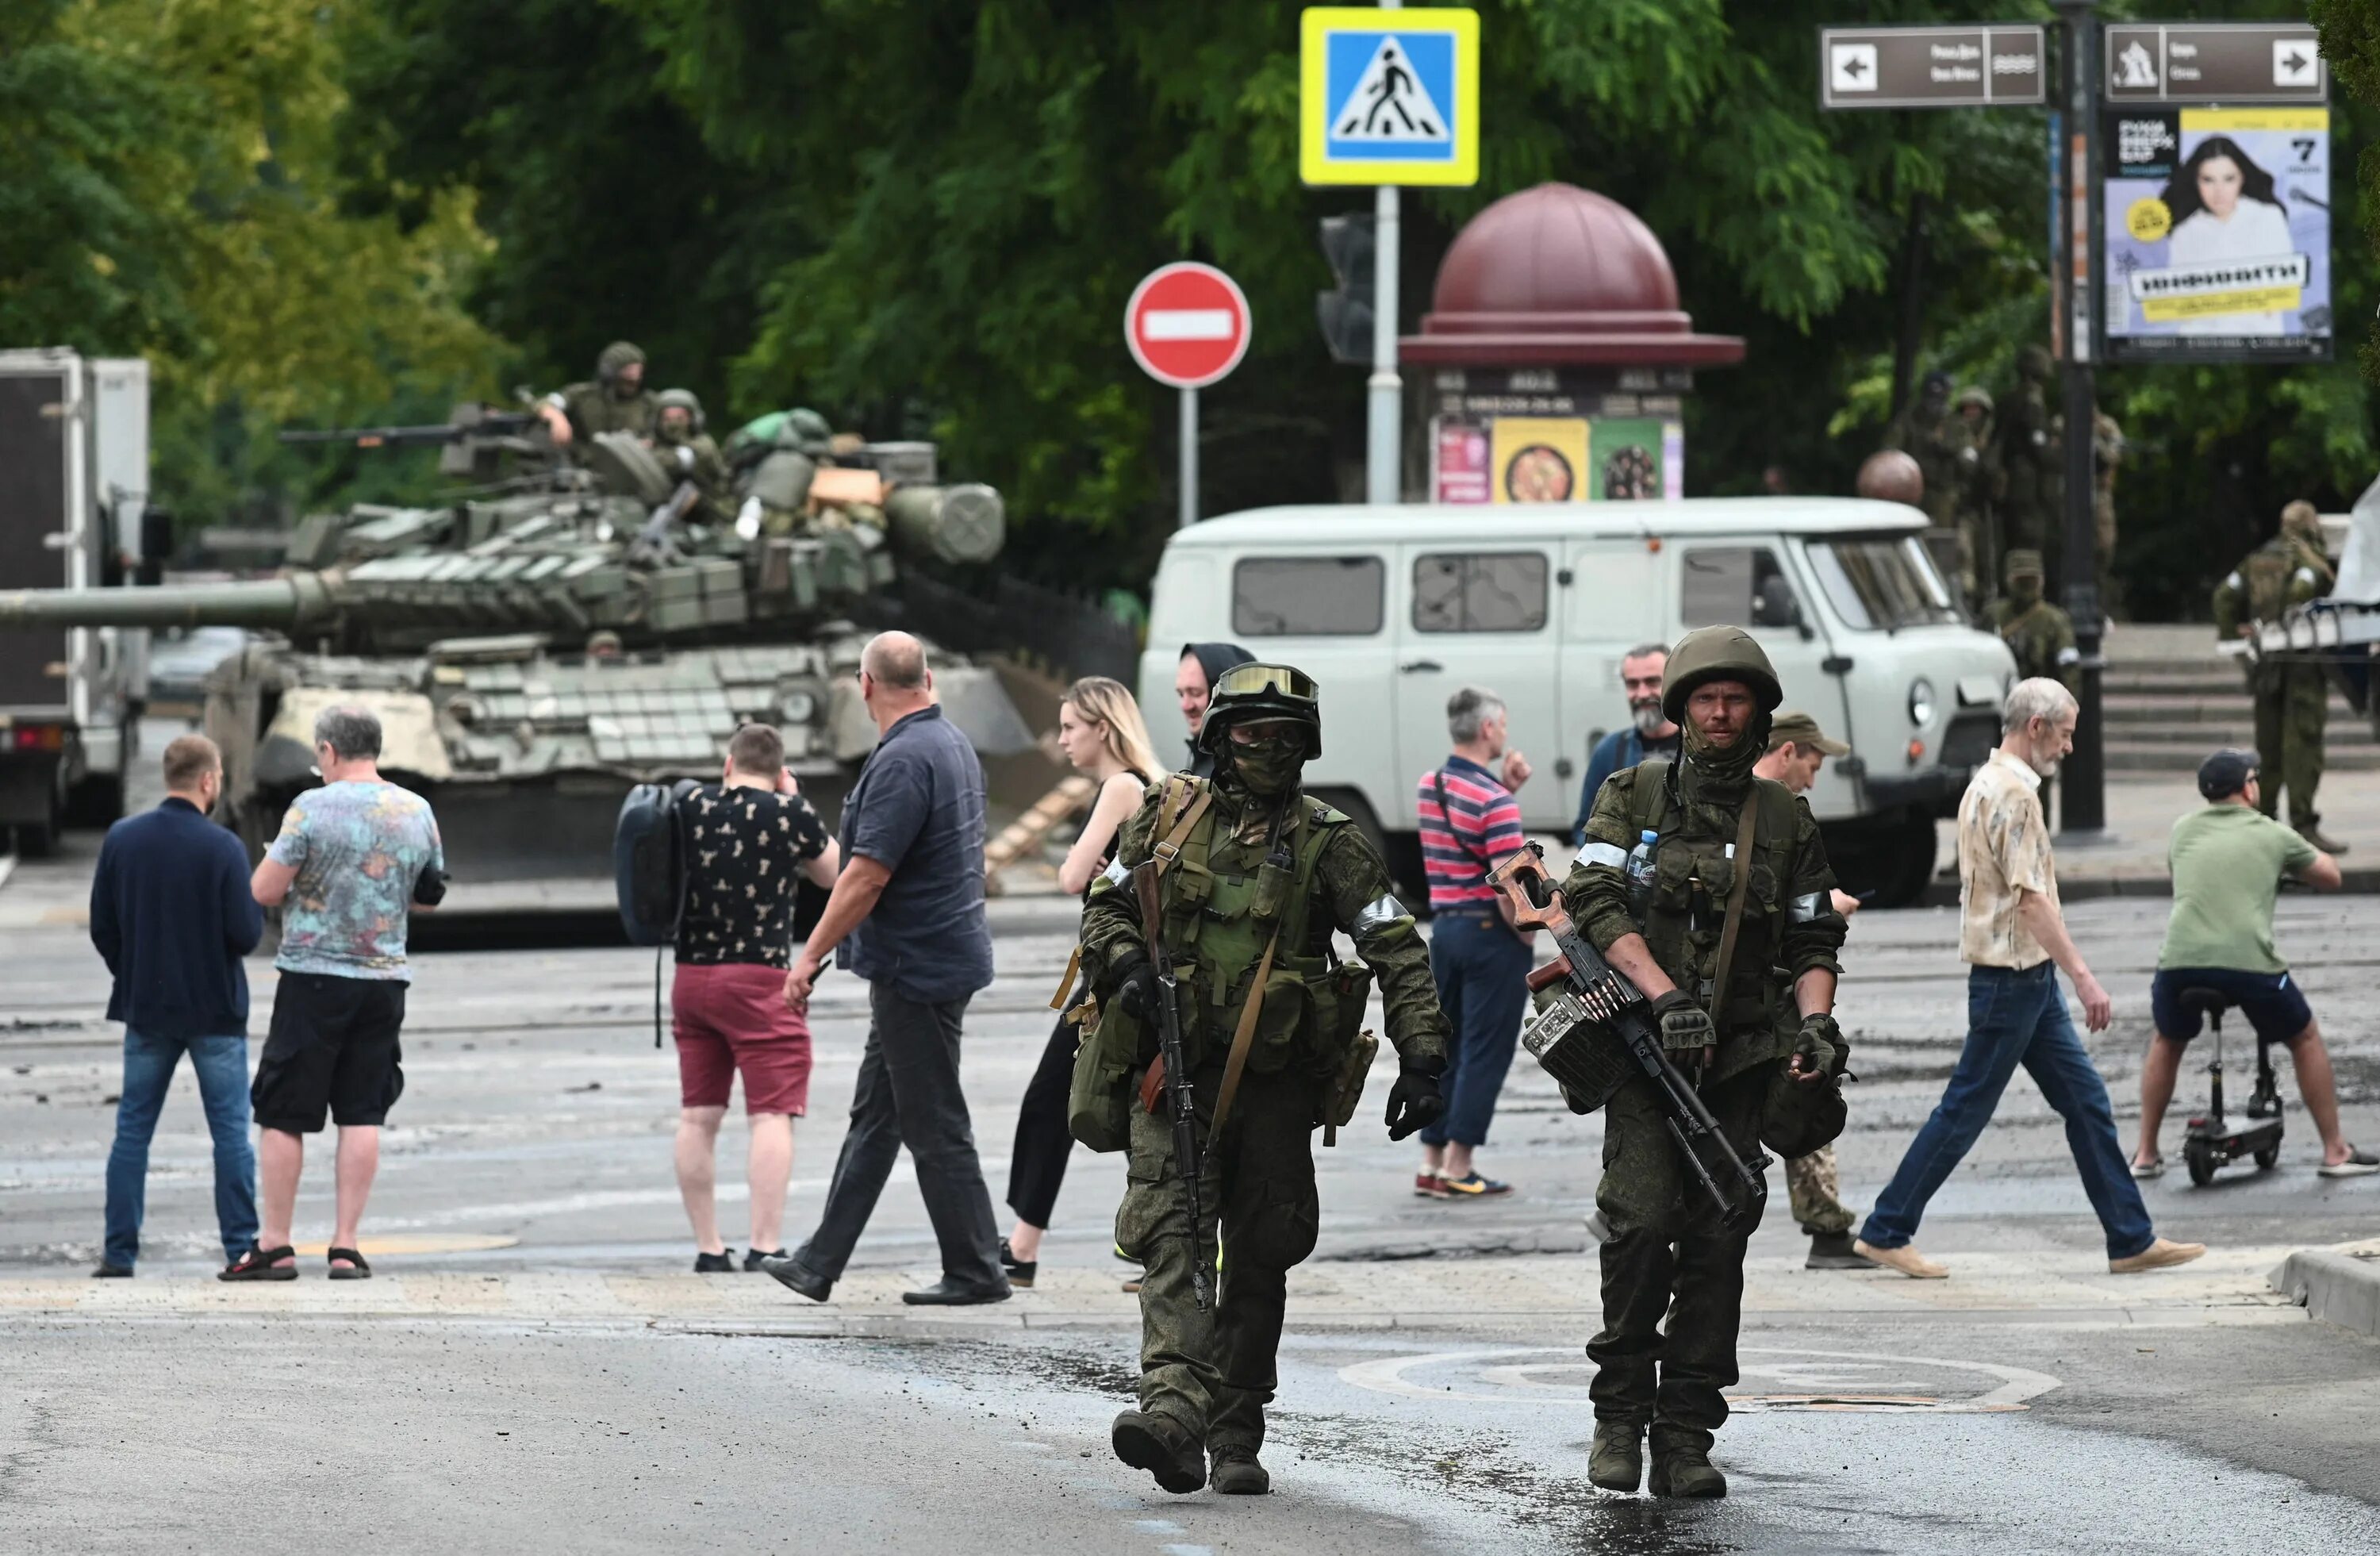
x: 649, y: 871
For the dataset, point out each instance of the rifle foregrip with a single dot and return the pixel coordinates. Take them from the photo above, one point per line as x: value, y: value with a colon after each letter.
x: 1552, y: 972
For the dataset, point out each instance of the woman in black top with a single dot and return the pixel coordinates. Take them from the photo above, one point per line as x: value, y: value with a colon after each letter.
x: 1100, y: 730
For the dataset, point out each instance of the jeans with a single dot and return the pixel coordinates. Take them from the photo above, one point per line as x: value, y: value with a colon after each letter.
x: 2017, y: 1019
x: 221, y: 1065
x: 908, y: 1093
x: 1482, y: 970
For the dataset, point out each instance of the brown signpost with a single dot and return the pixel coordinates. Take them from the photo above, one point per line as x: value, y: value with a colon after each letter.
x: 1975, y: 66
x: 2231, y: 63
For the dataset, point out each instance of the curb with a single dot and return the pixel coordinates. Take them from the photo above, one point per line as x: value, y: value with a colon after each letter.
x: 2337, y: 1287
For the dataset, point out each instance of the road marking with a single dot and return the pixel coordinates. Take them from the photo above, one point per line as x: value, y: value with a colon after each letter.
x: 1813, y: 1386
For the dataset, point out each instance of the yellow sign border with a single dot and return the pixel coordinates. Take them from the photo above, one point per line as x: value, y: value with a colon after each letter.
x: 1315, y: 24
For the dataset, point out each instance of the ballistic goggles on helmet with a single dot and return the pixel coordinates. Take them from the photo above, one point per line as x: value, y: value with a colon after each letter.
x: 1250, y: 680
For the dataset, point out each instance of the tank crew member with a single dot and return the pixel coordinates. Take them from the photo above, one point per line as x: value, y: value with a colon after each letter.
x: 2292, y: 695
x: 687, y: 452
x: 616, y: 401
x: 2039, y: 633
x: 1764, y: 1020
x: 1260, y: 876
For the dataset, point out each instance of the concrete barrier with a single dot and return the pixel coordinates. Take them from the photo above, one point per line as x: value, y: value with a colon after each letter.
x: 2337, y: 1285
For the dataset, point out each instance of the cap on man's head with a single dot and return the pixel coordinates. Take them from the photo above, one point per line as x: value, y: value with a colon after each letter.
x: 2225, y: 772
x: 2022, y: 563
x: 1803, y: 732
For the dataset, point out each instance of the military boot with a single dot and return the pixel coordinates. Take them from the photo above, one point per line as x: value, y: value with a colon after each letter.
x: 1237, y: 1472
x: 2312, y: 831
x: 1169, y: 1451
x: 1682, y: 1466
x: 1832, y: 1250
x: 1617, y: 1461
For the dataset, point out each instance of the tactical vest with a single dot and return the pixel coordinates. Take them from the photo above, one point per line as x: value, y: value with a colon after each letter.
x: 2267, y: 573
x: 1217, y: 923
x: 1683, y: 913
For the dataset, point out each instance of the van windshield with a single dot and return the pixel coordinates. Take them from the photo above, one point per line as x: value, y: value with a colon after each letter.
x: 1883, y: 581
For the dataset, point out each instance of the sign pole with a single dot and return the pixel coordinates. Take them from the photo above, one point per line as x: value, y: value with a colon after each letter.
x: 1189, y: 514
x: 1381, y: 482
x: 2082, y: 807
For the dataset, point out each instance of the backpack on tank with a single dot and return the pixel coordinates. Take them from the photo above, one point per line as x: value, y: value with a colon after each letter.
x: 649, y: 871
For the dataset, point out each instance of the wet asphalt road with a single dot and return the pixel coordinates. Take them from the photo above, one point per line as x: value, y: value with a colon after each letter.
x: 538, y: 1116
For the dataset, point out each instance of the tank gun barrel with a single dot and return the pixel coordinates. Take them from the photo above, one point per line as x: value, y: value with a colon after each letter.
x: 470, y: 422
x: 281, y: 604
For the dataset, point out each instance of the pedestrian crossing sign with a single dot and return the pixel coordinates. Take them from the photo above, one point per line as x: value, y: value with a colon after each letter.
x: 1389, y: 97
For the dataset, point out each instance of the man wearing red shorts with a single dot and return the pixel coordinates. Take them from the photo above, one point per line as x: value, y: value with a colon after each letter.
x: 746, y: 839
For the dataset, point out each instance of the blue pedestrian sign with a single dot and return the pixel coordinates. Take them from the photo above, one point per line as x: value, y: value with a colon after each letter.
x: 1389, y: 97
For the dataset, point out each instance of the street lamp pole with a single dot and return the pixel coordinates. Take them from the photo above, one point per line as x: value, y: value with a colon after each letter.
x: 2082, y: 800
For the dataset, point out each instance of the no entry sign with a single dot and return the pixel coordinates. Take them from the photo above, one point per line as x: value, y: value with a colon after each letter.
x: 1187, y: 324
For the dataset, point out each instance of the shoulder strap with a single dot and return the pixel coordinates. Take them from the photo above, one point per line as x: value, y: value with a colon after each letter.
x: 1176, y: 822
x: 1314, y: 833
x: 1648, y: 800
x: 1446, y: 814
x: 1735, y: 895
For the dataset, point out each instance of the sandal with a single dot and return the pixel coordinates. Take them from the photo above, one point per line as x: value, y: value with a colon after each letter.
x: 258, y: 1264
x: 359, y: 1270
x: 2152, y: 1168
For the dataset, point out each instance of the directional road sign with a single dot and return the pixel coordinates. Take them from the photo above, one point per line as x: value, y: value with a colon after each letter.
x: 2216, y: 62
x: 1187, y: 324
x: 1389, y: 97
x: 1931, y: 67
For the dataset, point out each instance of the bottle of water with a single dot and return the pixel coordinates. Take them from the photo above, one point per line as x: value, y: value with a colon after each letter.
x: 1640, y: 870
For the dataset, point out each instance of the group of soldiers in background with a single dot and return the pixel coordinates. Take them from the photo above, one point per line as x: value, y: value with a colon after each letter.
x: 670, y: 422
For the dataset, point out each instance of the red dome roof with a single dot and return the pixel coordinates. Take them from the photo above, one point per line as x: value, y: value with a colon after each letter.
x: 1559, y: 274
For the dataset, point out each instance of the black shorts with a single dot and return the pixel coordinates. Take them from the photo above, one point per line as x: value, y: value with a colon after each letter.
x: 2270, y: 1001
x: 333, y: 1047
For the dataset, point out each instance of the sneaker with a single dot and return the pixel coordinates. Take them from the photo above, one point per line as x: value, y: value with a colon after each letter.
x: 1429, y: 1185
x: 720, y: 1263
x: 1906, y: 1260
x: 1471, y: 1186
x: 2159, y: 1254
x: 2357, y: 1164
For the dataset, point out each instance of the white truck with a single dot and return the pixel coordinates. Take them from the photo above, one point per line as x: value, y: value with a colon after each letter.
x: 1392, y: 608
x: 74, y: 479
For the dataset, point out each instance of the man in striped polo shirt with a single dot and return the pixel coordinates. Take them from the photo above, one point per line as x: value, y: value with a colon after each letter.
x: 1481, y: 963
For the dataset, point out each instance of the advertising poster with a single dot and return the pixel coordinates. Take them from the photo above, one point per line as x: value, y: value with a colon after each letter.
x: 1539, y: 458
x: 1458, y: 461
x: 2217, y: 235
x: 1631, y: 455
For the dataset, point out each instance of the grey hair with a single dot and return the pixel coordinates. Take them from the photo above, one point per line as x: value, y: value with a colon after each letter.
x: 351, y: 733
x: 1641, y: 650
x: 1467, y: 710
x: 2037, y: 697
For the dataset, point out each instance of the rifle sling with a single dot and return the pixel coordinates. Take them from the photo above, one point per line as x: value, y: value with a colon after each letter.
x: 1736, y: 892
x: 1243, y: 1038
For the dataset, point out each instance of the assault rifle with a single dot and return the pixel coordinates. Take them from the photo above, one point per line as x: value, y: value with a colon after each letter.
x: 1176, y: 1084
x: 1573, y: 1038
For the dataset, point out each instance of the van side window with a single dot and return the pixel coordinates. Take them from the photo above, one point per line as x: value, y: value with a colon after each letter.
x: 1309, y: 596
x: 1737, y: 586
x: 1479, y: 591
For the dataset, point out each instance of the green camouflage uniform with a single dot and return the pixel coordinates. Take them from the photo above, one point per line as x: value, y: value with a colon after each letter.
x: 2292, y: 695
x: 1939, y: 440
x: 1212, y: 1372
x: 597, y: 406
x: 2039, y: 634
x: 1980, y: 477
x: 686, y: 452
x: 1668, y: 1253
x: 2032, y: 481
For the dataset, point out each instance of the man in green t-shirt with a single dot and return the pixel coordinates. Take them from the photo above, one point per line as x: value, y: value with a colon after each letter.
x: 2228, y: 859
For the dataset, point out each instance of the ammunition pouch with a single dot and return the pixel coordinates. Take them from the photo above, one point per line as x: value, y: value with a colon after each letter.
x: 1099, y: 1096
x: 1347, y: 1048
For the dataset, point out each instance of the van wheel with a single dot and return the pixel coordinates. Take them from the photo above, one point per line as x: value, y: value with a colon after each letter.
x: 1893, y: 861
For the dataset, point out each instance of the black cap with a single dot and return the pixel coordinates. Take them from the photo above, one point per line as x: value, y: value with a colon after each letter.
x: 2225, y: 772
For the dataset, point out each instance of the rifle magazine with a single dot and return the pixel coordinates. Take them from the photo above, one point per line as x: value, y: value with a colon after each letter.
x: 1578, y: 1050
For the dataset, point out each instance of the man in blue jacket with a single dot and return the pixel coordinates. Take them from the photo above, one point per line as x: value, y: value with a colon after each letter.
x: 1648, y: 731
x: 172, y: 917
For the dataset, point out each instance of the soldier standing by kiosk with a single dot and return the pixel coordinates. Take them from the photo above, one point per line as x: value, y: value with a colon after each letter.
x: 1252, y: 877
x: 2292, y: 695
x: 1731, y: 933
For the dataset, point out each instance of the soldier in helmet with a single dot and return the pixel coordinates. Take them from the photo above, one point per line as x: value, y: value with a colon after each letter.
x: 687, y: 452
x: 2039, y: 633
x: 1979, y: 474
x: 2030, y: 479
x: 1757, y: 1035
x: 616, y: 401
x: 2292, y: 695
x: 1256, y: 877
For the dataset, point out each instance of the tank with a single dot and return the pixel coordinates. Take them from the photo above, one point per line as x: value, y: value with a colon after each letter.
x: 534, y: 647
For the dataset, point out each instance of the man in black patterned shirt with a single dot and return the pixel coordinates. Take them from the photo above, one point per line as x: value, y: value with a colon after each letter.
x: 747, y: 839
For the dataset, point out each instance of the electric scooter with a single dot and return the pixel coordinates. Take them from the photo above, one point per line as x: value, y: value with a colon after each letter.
x: 2215, y: 1141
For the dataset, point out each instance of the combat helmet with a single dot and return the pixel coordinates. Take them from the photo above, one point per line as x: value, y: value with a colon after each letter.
x: 1718, y: 653
x: 1975, y: 394
x: 679, y: 399
x: 618, y: 355
x: 1248, y: 693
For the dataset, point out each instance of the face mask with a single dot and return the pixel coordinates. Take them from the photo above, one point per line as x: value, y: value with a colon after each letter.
x: 1270, y: 766
x: 2024, y: 592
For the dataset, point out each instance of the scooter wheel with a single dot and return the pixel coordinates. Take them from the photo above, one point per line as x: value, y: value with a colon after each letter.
x: 2269, y: 1158
x: 2202, y: 1166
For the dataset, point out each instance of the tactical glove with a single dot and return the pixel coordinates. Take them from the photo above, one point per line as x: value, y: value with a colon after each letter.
x: 1820, y: 1046
x: 1132, y: 984
x: 1415, y: 1100
x: 1685, y: 1024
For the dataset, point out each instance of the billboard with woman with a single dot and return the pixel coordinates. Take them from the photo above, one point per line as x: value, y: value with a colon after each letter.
x: 2217, y: 235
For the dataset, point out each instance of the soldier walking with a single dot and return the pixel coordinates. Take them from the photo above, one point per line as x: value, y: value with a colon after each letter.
x: 1254, y: 878
x: 1733, y: 941
x: 2292, y: 694
x: 2039, y: 633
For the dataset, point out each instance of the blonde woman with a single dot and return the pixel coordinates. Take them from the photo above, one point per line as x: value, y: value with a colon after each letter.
x: 1099, y: 729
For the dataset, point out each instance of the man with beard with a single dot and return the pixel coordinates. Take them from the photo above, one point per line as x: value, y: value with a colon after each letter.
x: 1194, y: 684
x: 1731, y: 938
x: 617, y: 401
x: 1649, y: 732
x: 1253, y: 878
x: 2013, y: 937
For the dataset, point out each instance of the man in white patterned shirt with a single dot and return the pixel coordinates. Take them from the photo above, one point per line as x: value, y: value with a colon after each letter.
x: 2013, y: 937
